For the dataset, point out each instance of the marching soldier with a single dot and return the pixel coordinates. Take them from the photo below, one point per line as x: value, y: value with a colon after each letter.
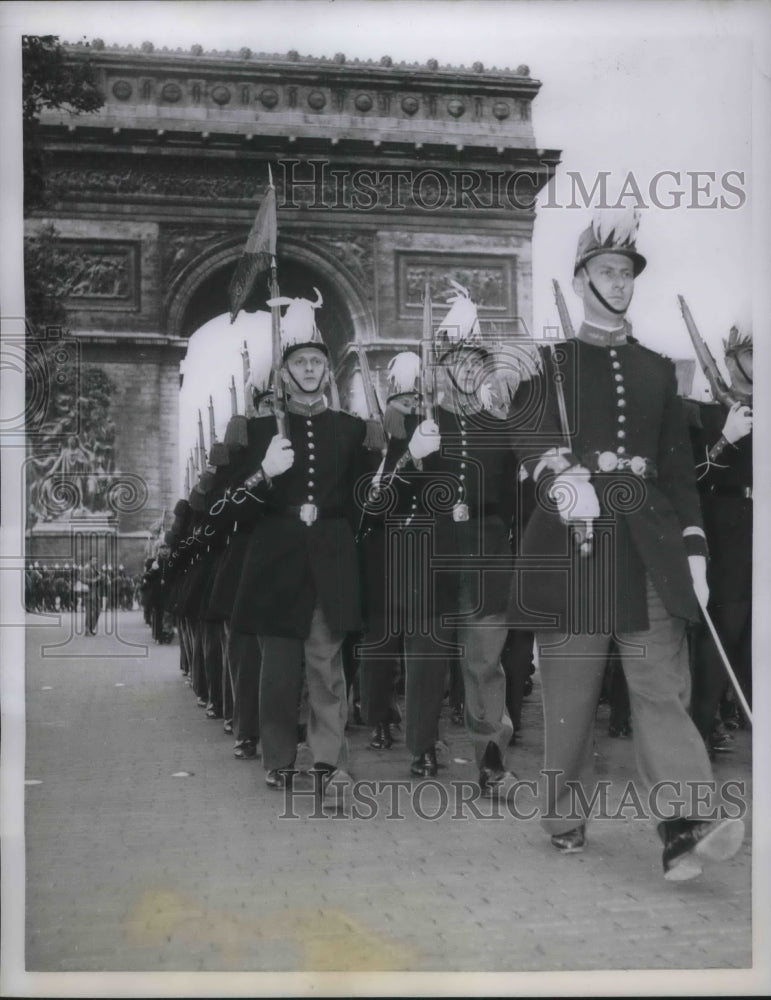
x: 235, y: 519
x: 299, y: 586
x: 468, y: 474
x: 619, y: 469
x: 392, y: 499
x: 722, y: 444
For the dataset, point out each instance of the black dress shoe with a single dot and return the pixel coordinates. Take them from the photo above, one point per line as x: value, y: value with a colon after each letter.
x: 570, y: 842
x: 201, y: 702
x: 425, y: 765
x: 689, y: 844
x: 494, y: 779
x: 227, y: 726
x: 381, y: 737
x: 246, y: 750
x: 721, y: 741
x: 280, y: 777
x: 212, y: 712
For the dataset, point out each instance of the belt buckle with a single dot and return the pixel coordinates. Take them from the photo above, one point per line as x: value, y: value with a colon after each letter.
x: 309, y: 513
x: 460, y: 512
x: 607, y: 461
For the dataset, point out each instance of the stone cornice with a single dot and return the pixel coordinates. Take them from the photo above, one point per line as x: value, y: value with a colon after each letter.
x: 303, y: 98
x: 341, y: 64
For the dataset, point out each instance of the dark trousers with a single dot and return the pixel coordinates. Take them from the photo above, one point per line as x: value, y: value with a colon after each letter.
x: 198, y: 675
x: 93, y: 607
x: 379, y: 671
x: 228, y: 689
x: 245, y: 659
x: 733, y: 623
x: 212, y: 660
x: 517, y: 660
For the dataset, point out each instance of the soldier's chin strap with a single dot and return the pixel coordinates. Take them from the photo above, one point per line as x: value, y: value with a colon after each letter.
x: 600, y: 298
x: 319, y: 385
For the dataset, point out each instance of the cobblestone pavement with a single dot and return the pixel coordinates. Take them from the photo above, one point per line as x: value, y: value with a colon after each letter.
x: 149, y: 847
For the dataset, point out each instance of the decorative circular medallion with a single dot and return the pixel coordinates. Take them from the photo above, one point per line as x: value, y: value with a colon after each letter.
x: 122, y: 90
x: 171, y: 92
x: 410, y: 105
x: 268, y: 98
x: 363, y: 102
x: 456, y: 107
x: 607, y: 462
x: 638, y: 465
x: 501, y: 110
x: 220, y: 95
x: 316, y: 100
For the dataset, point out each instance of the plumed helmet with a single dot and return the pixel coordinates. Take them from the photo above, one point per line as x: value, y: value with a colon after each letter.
x: 739, y: 339
x: 298, y: 324
x: 460, y: 327
x: 403, y: 374
x: 611, y: 231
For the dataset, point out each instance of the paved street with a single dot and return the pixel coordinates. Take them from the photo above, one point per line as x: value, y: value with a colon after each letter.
x: 148, y: 847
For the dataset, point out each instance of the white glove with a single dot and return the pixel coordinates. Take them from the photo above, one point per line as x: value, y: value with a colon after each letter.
x: 425, y: 440
x: 738, y: 423
x: 574, y: 495
x: 698, y: 567
x: 278, y: 458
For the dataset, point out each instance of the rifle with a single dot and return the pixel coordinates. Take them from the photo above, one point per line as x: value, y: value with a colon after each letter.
x: 427, y: 360
x: 248, y: 402
x: 374, y: 410
x: 720, y: 391
x: 278, y: 382
x: 565, y: 321
x: 233, y: 397
x: 201, y: 445
x: 212, y: 431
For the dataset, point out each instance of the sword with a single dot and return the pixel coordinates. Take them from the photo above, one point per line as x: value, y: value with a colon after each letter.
x: 584, y: 536
x: 731, y: 675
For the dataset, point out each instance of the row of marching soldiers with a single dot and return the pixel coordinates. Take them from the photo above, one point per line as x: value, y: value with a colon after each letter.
x: 298, y: 534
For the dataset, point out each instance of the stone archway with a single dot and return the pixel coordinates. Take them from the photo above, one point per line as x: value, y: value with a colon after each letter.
x: 345, y: 317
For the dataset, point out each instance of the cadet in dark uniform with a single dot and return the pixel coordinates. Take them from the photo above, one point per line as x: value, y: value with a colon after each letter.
x: 625, y: 466
x: 468, y: 478
x: 722, y: 444
x: 299, y: 587
x: 393, y: 500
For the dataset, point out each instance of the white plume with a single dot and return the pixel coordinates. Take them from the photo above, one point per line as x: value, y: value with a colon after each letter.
x: 461, y: 322
x: 403, y: 372
x: 616, y: 227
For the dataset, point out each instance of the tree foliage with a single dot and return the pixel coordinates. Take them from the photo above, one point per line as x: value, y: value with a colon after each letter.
x: 49, y: 80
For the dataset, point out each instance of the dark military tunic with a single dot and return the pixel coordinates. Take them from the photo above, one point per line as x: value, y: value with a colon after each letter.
x: 621, y: 402
x: 725, y: 488
x: 291, y: 566
x: 474, y: 467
